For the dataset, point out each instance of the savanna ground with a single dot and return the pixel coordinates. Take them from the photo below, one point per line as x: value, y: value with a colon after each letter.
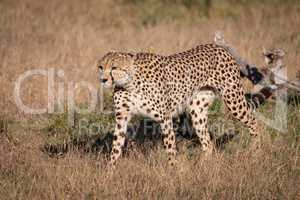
x: 41, y: 157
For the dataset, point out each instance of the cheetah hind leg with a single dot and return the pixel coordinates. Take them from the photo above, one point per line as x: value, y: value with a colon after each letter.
x: 198, y: 108
x: 237, y: 104
x: 169, y: 142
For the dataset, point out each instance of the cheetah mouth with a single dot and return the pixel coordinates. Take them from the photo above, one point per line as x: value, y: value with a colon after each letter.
x: 107, y: 85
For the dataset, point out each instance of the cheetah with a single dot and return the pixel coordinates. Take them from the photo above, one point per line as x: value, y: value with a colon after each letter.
x: 263, y: 88
x: 266, y: 80
x: 161, y: 87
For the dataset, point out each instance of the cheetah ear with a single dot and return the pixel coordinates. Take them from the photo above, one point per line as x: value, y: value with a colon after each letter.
x: 132, y: 57
x: 132, y: 60
x: 219, y: 38
x: 126, y: 60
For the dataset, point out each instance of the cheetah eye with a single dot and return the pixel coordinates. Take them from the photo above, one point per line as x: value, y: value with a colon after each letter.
x: 270, y: 56
x: 100, y: 67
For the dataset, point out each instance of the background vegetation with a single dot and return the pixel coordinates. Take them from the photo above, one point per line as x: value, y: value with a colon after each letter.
x: 41, y: 157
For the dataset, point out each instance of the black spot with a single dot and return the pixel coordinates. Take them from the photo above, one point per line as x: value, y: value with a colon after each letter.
x: 125, y: 105
x: 243, y: 114
x: 116, y: 151
x: 119, y: 126
x: 122, y: 134
x: 119, y: 118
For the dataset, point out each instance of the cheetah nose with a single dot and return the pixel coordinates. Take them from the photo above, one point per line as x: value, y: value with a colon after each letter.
x: 103, y: 80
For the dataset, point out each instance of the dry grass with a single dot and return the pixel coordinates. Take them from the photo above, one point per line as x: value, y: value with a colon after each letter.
x: 269, y: 173
x: 72, y: 35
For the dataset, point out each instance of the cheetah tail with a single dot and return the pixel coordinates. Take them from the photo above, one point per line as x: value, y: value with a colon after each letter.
x: 259, y: 98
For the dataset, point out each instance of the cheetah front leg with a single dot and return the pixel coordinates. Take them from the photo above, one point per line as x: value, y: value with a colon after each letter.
x: 122, y: 116
x: 198, y: 109
x: 169, y: 142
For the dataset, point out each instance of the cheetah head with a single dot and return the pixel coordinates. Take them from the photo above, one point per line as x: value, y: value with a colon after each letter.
x: 115, y: 69
x: 273, y: 56
x: 274, y: 65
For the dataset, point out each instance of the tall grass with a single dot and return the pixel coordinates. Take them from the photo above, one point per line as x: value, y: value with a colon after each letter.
x: 70, y: 36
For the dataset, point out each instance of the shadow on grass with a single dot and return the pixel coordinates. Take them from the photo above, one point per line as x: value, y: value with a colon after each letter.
x: 143, y: 136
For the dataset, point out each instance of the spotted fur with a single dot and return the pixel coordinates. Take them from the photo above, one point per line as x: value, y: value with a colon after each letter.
x: 161, y: 87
